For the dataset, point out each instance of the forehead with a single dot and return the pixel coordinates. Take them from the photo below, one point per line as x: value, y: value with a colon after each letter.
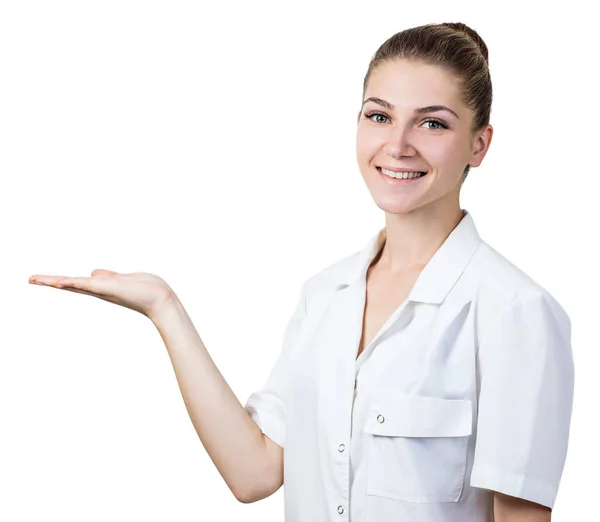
x: 408, y: 84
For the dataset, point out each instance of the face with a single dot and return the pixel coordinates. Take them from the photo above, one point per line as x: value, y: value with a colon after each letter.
x: 393, y: 133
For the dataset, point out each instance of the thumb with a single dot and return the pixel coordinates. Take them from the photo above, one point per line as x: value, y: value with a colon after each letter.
x: 100, y: 271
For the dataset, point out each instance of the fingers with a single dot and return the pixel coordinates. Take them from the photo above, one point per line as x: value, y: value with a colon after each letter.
x: 79, y: 282
x: 83, y: 283
x: 45, y: 280
x: 75, y: 290
x: 78, y: 285
x: 63, y: 280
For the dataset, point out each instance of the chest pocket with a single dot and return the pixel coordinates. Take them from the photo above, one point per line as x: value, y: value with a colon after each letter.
x: 416, y: 446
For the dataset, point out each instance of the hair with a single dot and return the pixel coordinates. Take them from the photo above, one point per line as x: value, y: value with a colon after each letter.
x: 457, y: 48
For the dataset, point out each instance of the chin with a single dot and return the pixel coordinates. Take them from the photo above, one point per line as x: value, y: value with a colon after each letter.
x: 396, y: 205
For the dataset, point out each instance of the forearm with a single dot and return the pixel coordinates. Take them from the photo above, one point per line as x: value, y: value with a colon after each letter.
x: 512, y: 509
x: 231, y: 438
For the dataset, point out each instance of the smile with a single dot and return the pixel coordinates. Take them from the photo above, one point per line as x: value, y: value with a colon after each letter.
x: 401, y: 175
x: 400, y: 178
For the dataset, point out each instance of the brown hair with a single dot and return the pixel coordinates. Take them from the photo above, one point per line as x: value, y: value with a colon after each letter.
x: 454, y: 46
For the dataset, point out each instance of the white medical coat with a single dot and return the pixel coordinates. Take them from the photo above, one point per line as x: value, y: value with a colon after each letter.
x: 466, y: 389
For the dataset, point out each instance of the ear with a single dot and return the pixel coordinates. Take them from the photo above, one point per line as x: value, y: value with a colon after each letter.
x: 481, y: 144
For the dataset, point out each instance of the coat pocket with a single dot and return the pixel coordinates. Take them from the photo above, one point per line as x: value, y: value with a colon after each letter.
x: 416, y: 446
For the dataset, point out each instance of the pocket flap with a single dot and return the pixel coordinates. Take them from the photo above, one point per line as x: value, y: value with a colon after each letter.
x: 400, y: 414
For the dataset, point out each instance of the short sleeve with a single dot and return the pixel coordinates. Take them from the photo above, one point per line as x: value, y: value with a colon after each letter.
x: 267, y: 406
x: 525, y: 400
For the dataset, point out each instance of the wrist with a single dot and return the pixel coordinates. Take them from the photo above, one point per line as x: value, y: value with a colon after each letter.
x: 165, y: 310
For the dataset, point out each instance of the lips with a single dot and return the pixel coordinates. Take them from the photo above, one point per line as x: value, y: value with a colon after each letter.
x: 423, y: 172
x: 401, y: 170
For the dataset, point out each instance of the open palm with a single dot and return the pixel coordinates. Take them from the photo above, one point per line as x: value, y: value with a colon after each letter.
x: 145, y: 293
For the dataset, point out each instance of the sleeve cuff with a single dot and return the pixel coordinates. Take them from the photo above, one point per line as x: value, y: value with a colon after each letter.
x: 268, y: 424
x: 514, y: 484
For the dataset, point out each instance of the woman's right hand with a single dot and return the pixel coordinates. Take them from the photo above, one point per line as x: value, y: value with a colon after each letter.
x: 145, y: 293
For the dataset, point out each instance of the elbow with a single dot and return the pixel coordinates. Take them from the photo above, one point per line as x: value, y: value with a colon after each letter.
x: 244, y: 496
x: 260, y: 478
x: 250, y: 495
x: 244, y: 499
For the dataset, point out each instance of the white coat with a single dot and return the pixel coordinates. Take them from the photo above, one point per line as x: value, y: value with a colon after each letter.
x: 466, y: 389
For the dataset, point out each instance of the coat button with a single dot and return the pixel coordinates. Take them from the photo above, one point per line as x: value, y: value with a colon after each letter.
x: 380, y: 418
x: 340, y: 509
x: 341, y: 448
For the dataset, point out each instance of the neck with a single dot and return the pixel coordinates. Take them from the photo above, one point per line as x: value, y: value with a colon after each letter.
x: 412, y: 239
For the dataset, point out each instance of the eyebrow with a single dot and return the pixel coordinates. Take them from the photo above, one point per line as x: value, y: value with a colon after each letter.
x: 420, y: 110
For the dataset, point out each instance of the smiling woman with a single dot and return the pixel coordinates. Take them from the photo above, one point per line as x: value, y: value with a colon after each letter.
x: 426, y: 108
x: 401, y: 134
x: 457, y: 362
x: 422, y: 378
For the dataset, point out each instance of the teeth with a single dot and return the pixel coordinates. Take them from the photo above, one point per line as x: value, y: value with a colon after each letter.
x: 401, y: 175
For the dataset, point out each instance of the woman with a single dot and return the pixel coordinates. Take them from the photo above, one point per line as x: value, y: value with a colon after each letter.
x: 424, y: 378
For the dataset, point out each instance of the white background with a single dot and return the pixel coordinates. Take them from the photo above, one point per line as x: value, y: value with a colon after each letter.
x: 214, y: 145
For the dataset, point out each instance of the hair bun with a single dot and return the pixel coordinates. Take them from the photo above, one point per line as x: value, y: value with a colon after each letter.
x: 471, y: 33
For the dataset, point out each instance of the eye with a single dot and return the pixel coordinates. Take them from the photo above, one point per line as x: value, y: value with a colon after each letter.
x: 442, y: 125
x: 437, y: 124
x: 371, y: 114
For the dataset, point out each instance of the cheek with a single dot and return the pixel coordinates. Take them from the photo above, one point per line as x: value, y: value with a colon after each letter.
x: 442, y: 152
x: 367, y: 143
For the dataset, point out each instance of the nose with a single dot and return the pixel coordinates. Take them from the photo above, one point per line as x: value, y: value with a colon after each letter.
x: 400, y: 143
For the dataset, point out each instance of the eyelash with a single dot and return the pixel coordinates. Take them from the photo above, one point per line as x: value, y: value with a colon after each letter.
x: 442, y: 123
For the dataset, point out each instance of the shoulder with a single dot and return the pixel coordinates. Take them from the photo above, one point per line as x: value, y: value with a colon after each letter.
x: 501, y: 287
x: 497, y: 274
